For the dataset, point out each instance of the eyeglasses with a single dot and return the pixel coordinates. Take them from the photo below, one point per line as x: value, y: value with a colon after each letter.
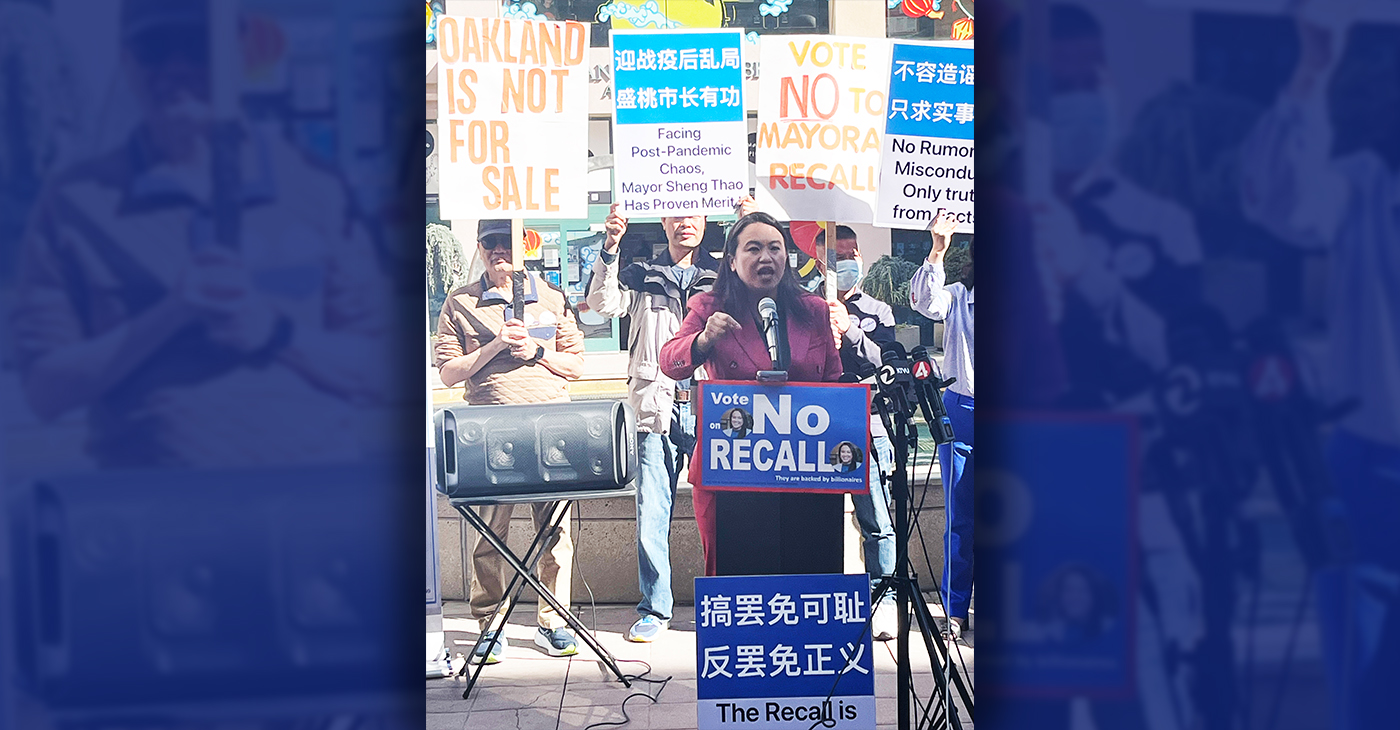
x: 496, y: 242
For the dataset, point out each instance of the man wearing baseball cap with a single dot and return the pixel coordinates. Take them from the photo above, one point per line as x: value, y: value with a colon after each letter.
x: 504, y: 357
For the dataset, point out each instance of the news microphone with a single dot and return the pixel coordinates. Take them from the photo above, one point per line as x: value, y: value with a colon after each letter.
x: 929, y: 383
x: 894, y: 376
x: 768, y: 312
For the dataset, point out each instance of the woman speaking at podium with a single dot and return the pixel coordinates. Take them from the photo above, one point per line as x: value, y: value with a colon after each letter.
x: 723, y: 332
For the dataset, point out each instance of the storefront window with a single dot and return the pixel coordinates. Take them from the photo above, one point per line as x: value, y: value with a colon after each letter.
x: 941, y: 20
x: 797, y: 16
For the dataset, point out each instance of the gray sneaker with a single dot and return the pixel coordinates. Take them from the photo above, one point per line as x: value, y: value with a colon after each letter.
x: 558, y: 642
x: 491, y: 648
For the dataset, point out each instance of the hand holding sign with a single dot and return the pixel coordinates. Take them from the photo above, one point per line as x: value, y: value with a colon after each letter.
x: 718, y: 325
x: 514, y: 336
x: 840, y: 321
x: 746, y: 206
x: 616, y: 227
x: 942, y: 230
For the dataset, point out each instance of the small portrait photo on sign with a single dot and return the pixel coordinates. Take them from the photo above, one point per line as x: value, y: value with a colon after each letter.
x: 736, y: 423
x: 846, y: 456
x: 1077, y: 603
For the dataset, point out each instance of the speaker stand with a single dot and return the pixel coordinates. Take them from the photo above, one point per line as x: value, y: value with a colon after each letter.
x: 527, y: 573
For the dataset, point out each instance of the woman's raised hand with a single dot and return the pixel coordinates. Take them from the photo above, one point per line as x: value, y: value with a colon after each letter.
x: 718, y: 325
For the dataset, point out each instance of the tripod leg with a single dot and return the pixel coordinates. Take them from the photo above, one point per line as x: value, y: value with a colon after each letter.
x: 561, y: 510
x: 939, y: 654
x: 510, y: 598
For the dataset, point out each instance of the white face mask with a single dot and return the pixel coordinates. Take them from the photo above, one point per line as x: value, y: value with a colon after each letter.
x: 1082, y: 127
x: 848, y: 274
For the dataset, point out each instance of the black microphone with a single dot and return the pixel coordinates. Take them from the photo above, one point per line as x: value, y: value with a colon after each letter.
x: 930, y: 383
x: 894, y: 376
x: 768, y: 312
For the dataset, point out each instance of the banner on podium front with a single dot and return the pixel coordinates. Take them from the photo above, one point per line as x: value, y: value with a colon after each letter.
x: 789, y: 437
x: 784, y: 652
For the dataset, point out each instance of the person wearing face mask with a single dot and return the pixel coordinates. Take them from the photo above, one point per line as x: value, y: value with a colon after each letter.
x: 723, y: 334
x: 655, y: 296
x: 864, y: 326
x: 1116, y: 257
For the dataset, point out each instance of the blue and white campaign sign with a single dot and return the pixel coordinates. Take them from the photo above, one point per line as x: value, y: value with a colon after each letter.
x: 927, y: 165
x: 680, y: 138
x: 784, y: 652
x: 1056, y: 556
x: 790, y: 437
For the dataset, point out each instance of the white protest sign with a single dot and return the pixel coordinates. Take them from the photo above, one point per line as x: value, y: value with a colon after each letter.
x: 512, y: 118
x: 680, y: 138
x: 820, y: 123
x: 928, y: 162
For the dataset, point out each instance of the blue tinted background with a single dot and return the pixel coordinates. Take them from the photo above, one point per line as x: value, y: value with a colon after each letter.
x: 679, y: 79
x: 1073, y: 567
x: 909, y: 83
x: 213, y: 523
x: 1204, y: 241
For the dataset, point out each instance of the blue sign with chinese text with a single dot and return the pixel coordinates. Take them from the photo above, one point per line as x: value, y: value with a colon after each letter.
x: 931, y: 91
x: 784, y: 651
x: 796, y: 437
x: 661, y: 78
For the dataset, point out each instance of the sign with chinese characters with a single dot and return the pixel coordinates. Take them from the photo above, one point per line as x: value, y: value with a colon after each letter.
x: 679, y: 132
x: 512, y: 118
x: 927, y: 165
x: 1061, y: 566
x: 820, y: 122
x: 792, y: 437
x: 784, y: 652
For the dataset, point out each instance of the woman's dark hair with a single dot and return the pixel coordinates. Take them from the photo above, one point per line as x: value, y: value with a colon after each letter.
x: 729, y: 288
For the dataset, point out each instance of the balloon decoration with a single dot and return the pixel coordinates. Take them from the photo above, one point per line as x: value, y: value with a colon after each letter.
x: 962, y: 29
x: 922, y: 8
x: 533, y: 244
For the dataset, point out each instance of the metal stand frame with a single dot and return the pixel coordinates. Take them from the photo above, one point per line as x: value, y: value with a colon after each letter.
x: 527, y: 573
x: 910, y: 596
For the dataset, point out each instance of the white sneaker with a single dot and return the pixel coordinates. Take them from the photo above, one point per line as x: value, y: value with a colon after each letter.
x: 885, y: 624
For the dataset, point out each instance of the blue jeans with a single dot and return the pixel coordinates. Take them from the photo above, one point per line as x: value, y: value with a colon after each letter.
x: 955, y: 462
x: 655, y: 497
x: 873, y: 516
x: 1357, y: 610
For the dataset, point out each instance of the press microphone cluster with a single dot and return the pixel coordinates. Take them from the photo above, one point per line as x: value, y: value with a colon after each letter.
x: 902, y: 382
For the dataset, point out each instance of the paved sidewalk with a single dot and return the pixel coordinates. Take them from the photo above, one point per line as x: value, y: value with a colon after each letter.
x: 532, y: 691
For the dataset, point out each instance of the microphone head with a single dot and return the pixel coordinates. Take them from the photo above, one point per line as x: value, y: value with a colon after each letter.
x: 767, y: 308
x: 919, y: 353
x: 892, y: 351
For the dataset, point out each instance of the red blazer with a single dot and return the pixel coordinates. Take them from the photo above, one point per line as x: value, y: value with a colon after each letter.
x: 740, y: 356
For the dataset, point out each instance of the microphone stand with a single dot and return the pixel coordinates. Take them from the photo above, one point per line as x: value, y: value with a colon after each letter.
x: 895, y: 411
